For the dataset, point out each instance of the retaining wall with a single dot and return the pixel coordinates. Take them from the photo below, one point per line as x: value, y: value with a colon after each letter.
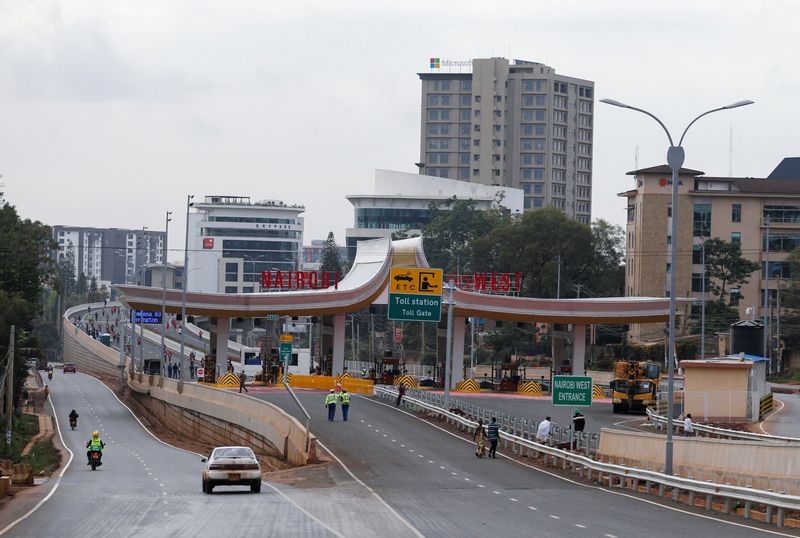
x: 226, y: 418
x: 774, y: 466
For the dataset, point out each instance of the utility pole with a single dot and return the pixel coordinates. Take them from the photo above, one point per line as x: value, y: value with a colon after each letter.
x: 10, y: 388
x: 164, y: 293
x: 449, y: 350
x: 122, y: 354
x: 766, y: 293
x: 184, y: 373
x: 558, y: 279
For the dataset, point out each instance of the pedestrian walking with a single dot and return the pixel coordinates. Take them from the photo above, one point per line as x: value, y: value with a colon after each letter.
x: 543, y: 432
x: 480, y: 439
x: 578, y: 421
x: 174, y: 370
x: 688, y: 430
x: 46, y: 392
x: 401, y: 391
x: 242, y: 379
x: 330, y: 403
x: 493, y: 436
x: 344, y: 397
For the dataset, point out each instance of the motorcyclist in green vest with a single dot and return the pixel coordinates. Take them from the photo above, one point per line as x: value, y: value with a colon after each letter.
x: 95, y: 444
x: 330, y: 403
x: 344, y: 397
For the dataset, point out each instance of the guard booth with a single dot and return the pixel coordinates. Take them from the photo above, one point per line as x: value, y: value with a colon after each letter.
x: 389, y: 369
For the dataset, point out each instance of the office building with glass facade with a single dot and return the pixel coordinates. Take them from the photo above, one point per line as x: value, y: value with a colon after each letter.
x: 232, y: 240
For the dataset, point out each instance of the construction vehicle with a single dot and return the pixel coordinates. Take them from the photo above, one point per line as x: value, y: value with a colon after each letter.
x: 634, y: 385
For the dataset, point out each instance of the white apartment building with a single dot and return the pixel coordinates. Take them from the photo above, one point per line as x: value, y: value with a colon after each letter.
x: 232, y: 240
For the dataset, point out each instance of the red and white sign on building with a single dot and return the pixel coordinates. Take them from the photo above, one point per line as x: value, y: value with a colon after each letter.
x: 208, y: 242
x: 201, y: 372
x: 495, y: 283
x: 298, y: 280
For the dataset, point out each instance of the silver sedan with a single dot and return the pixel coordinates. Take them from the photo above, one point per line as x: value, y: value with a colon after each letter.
x: 232, y: 466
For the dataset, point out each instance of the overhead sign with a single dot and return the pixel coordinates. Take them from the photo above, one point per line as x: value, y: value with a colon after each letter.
x: 299, y: 280
x: 572, y: 390
x: 415, y: 294
x: 498, y: 283
x: 285, y: 349
x: 146, y: 317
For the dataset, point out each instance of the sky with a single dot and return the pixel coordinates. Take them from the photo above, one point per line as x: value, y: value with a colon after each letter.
x: 111, y: 112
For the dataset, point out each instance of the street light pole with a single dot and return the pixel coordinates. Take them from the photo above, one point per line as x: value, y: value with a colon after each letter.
x: 184, y: 373
x: 766, y: 291
x: 164, y: 291
x: 675, y: 159
x: 451, y: 306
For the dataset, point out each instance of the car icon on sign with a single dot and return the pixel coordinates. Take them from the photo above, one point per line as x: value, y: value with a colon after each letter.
x: 407, y: 277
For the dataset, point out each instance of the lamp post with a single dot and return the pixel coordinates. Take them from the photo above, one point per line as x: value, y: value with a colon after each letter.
x: 675, y: 158
x: 164, y: 289
x: 184, y: 372
x: 766, y: 292
x: 703, y: 301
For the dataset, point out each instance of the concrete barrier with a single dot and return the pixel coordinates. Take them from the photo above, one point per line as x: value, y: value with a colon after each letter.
x: 224, y: 417
x: 744, y: 463
x: 5, y: 485
x: 22, y: 474
x: 325, y: 382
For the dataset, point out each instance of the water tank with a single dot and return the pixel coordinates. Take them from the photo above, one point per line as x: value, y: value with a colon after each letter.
x: 747, y: 337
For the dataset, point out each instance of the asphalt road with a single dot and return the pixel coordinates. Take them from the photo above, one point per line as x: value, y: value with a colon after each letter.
x: 785, y: 421
x: 434, y: 480
x: 146, y: 488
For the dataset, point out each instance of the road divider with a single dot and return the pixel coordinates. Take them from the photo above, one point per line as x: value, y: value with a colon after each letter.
x: 326, y: 382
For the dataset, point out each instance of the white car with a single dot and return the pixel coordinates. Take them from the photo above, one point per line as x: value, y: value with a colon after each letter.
x: 232, y: 466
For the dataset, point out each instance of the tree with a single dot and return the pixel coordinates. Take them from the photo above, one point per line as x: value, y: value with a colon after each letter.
x: 450, y: 234
x: 65, y: 271
x: 608, y: 242
x: 93, y: 292
x: 331, y: 260
x: 725, y: 267
x: 82, y: 286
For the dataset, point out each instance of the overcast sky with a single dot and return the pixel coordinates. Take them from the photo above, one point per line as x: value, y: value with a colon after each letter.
x: 111, y: 111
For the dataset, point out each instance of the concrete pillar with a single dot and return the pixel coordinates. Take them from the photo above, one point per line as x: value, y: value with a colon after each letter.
x: 459, y: 330
x: 579, y: 350
x: 218, y: 348
x: 338, y: 344
x: 221, y: 348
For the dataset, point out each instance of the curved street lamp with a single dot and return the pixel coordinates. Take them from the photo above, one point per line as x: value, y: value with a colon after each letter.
x: 675, y: 159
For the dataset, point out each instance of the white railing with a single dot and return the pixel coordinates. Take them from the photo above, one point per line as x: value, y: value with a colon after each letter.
x: 611, y: 475
x: 721, y: 433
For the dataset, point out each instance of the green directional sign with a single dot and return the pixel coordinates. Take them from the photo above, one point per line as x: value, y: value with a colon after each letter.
x: 415, y: 294
x: 572, y: 390
x: 272, y: 317
x: 410, y: 307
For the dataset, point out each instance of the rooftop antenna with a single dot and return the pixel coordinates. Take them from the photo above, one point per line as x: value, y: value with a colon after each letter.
x: 636, y: 158
x: 730, y: 153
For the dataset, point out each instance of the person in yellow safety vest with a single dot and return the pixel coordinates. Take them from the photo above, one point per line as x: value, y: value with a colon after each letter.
x: 344, y: 397
x: 95, y: 444
x: 330, y: 403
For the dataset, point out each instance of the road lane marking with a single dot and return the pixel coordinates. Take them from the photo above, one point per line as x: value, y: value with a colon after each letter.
x: 454, y: 473
x: 609, y: 536
x: 774, y: 413
x: 556, y: 517
x: 481, y: 486
x: 467, y: 479
x: 496, y: 492
x: 587, y: 486
x: 532, y: 508
x: 580, y: 526
x: 430, y: 461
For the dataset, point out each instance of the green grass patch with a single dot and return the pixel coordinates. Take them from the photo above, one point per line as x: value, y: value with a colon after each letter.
x: 43, y: 457
x: 24, y: 427
x: 786, y: 378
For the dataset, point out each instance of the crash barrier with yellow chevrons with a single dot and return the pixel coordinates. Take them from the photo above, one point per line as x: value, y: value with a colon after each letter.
x: 598, y: 392
x: 530, y: 387
x: 346, y: 375
x: 407, y: 381
x: 766, y: 406
x: 468, y: 385
x: 228, y: 380
x: 326, y: 382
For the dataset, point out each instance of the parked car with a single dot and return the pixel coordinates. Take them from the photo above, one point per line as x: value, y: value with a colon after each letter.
x: 69, y: 367
x: 231, y: 466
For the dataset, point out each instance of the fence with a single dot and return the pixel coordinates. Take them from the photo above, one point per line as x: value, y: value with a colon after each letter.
x: 774, y: 505
x: 704, y: 430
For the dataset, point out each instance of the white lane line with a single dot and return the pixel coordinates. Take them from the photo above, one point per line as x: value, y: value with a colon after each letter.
x: 580, y: 526
x: 609, y: 536
x: 532, y: 508
x: 467, y: 479
x: 411, y: 450
x: 420, y: 455
x: 430, y: 461
x: 496, y: 492
x: 771, y: 415
x: 556, y: 517
x: 481, y: 486
x: 512, y: 499
x: 385, y: 435
x: 454, y: 473
x: 402, y: 446
x: 587, y: 486
x: 441, y: 467
x: 394, y: 440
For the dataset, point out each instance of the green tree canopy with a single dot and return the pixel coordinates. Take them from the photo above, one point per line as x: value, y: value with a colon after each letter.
x: 330, y: 260
x: 725, y: 266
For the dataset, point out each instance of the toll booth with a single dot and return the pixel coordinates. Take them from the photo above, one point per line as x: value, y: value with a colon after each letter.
x: 389, y: 369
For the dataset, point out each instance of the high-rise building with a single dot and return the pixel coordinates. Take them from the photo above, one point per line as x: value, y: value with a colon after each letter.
x: 761, y: 214
x: 514, y: 124
x: 111, y: 255
x: 232, y: 240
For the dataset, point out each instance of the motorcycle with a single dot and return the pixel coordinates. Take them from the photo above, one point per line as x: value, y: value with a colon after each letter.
x: 50, y: 375
x: 95, y: 459
x: 73, y: 423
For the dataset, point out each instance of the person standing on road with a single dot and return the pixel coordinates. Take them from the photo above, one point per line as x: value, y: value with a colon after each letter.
x: 493, y: 437
x: 46, y: 392
x: 543, y: 432
x: 344, y: 397
x: 401, y: 391
x: 578, y: 421
x: 480, y: 439
x: 330, y: 403
x: 242, y: 379
x: 688, y: 430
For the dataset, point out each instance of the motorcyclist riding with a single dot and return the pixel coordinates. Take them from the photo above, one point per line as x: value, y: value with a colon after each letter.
x: 94, y: 445
x: 73, y: 419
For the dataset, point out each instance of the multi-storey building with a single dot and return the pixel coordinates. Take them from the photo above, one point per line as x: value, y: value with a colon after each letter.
x: 514, y: 124
x: 111, y: 255
x: 232, y: 240
x: 401, y: 201
x: 762, y: 214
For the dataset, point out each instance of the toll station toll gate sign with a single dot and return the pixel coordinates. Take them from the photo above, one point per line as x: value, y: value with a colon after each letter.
x: 572, y: 390
x: 415, y: 294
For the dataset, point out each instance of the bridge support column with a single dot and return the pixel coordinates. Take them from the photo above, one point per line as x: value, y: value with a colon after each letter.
x: 457, y: 371
x: 218, y: 347
x: 338, y: 344
x: 579, y: 350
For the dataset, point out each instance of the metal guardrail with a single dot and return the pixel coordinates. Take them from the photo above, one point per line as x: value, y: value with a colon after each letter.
x: 775, y: 505
x: 721, y: 433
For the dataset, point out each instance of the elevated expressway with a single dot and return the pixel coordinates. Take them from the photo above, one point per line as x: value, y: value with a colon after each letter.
x: 366, y: 284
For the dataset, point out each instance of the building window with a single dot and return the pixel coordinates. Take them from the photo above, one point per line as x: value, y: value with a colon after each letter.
x: 231, y: 273
x: 559, y: 116
x: 702, y: 220
x: 697, y: 282
x: 736, y: 212
x: 669, y: 240
x: 465, y: 100
x: 231, y: 289
x: 538, y: 173
x: 526, y: 203
x: 697, y: 254
x: 631, y: 212
x: 736, y: 294
x: 538, y: 188
x: 559, y: 131
x: 736, y: 237
x: 538, y: 202
x: 526, y: 188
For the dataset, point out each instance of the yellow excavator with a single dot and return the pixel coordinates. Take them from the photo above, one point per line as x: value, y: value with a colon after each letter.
x: 634, y: 385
